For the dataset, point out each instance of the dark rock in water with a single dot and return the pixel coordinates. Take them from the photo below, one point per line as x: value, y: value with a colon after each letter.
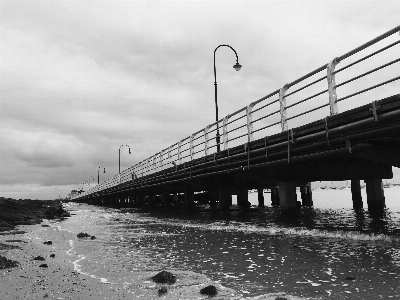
x: 350, y: 278
x: 38, y: 258
x: 162, y: 290
x: 48, y: 243
x: 117, y: 219
x: 281, y: 298
x: 93, y: 237
x: 209, y: 290
x: 45, y: 225
x: 82, y: 235
x: 52, y: 255
x: 164, y: 277
x: 6, y: 263
x: 43, y: 266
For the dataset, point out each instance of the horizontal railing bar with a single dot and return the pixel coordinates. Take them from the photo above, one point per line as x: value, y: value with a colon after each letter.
x: 236, y: 119
x: 306, y: 112
x: 306, y: 86
x: 370, y: 88
x: 308, y: 98
x: 307, y: 75
x: 369, y: 72
x: 366, y: 57
x: 371, y: 42
x: 264, y: 106
x: 235, y: 138
x: 266, y: 116
x: 266, y: 97
x: 265, y: 127
x: 241, y: 126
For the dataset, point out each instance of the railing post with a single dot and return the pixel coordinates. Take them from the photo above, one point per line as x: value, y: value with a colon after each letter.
x: 161, y: 159
x: 225, y: 132
x: 249, y: 122
x: 191, y: 147
x: 169, y: 154
x: 179, y: 152
x: 332, y: 85
x: 282, y: 102
x: 206, y: 140
x: 154, y: 163
x: 147, y: 166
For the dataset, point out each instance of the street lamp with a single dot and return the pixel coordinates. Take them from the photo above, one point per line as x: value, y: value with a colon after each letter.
x: 119, y: 157
x: 237, y: 67
x: 89, y: 182
x: 98, y: 173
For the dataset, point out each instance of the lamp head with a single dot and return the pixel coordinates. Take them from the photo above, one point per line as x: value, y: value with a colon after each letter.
x: 237, y: 67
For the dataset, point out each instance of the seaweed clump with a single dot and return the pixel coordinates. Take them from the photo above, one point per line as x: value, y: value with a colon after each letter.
x: 164, y: 277
x: 209, y: 290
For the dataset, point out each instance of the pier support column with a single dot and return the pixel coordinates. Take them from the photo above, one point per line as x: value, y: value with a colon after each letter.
x: 287, y: 196
x: 166, y: 200
x: 375, y: 194
x: 306, y: 194
x: 152, y: 200
x: 175, y: 199
x: 260, y: 192
x: 138, y: 200
x: 225, y: 199
x: 356, y: 194
x: 274, y: 196
x: 189, y: 197
x: 213, y: 199
x: 243, y: 198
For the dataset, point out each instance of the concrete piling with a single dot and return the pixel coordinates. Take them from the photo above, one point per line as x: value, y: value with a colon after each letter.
x: 356, y: 194
x: 375, y: 194
x: 287, y: 196
x: 260, y: 193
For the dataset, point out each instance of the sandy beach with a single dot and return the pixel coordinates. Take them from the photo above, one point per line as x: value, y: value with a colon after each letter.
x: 21, y: 277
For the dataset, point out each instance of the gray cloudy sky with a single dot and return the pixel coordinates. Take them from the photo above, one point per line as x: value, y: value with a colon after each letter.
x: 80, y: 78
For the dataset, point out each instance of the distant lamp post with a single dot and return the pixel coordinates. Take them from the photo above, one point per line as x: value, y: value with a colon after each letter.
x: 98, y: 173
x: 119, y: 157
x: 237, y: 67
x: 89, y: 182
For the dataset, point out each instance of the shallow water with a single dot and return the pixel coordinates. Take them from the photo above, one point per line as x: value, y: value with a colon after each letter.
x: 328, y: 252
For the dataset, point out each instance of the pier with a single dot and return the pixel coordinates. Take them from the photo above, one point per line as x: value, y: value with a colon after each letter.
x: 269, y: 145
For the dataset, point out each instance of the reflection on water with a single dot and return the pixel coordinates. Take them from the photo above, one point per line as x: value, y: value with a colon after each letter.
x: 320, y: 253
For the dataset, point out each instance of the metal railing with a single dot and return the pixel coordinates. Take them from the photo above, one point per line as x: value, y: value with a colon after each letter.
x: 265, y: 117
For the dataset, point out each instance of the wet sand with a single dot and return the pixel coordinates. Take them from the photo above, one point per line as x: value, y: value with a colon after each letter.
x: 21, y: 277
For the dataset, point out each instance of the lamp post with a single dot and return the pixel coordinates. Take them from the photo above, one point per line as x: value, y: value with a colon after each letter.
x: 89, y: 182
x: 98, y: 173
x: 119, y: 157
x: 237, y: 67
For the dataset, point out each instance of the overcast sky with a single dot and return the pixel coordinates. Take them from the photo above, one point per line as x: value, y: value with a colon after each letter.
x: 80, y: 78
